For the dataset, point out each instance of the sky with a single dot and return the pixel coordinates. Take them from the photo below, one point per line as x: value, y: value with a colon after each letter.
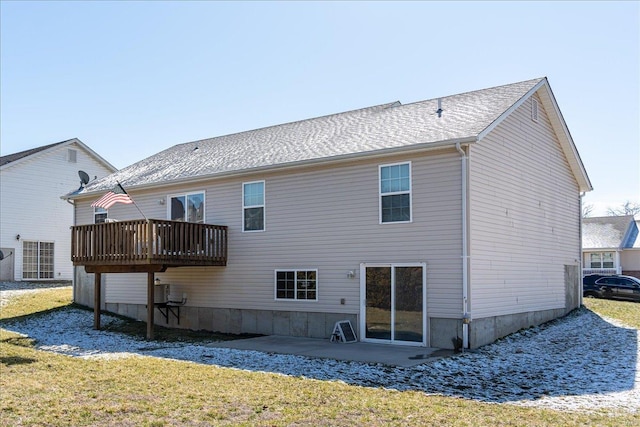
x: 130, y: 79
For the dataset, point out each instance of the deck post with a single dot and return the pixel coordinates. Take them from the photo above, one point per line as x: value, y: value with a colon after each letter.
x: 96, y: 301
x: 150, y: 304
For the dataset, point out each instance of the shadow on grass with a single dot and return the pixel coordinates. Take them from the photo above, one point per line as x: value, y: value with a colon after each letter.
x: 19, y: 341
x: 21, y: 286
x: 16, y: 360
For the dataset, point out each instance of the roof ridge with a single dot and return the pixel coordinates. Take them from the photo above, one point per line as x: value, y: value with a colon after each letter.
x: 374, y: 130
x: 537, y: 80
x: 372, y: 107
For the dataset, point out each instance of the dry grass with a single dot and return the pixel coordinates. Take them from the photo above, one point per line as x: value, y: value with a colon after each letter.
x: 39, y: 388
x: 623, y: 311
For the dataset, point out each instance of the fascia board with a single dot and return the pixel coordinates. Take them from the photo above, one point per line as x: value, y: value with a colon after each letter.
x: 511, y: 109
x: 559, y: 125
x: 96, y: 155
x: 294, y: 165
x: 59, y: 146
x: 38, y: 153
x: 566, y: 141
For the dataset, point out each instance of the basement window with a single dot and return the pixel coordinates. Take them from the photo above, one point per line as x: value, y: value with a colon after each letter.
x: 297, y: 284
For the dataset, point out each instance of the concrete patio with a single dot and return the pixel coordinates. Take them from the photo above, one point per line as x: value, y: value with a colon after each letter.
x: 392, y: 355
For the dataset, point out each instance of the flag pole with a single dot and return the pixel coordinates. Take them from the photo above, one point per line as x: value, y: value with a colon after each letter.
x: 133, y: 201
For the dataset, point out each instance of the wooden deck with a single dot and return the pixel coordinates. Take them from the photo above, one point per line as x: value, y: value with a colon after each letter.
x: 147, y: 245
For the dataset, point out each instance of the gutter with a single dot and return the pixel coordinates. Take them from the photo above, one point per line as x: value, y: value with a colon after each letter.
x: 466, y: 315
x: 450, y: 143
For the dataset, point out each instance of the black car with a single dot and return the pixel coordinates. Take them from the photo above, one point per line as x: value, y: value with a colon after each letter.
x: 612, y: 287
x: 589, y: 288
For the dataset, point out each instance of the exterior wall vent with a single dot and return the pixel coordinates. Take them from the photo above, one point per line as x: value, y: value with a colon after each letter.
x: 72, y: 155
x: 534, y: 110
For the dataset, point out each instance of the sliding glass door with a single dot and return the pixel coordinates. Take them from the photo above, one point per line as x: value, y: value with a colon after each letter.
x: 393, y: 309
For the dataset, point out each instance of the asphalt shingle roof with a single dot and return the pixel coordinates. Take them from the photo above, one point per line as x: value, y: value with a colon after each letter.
x: 607, y: 232
x: 368, y: 130
x: 17, y: 156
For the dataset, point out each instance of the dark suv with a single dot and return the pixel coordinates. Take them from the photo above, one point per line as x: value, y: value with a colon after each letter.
x: 589, y: 288
x: 611, y: 287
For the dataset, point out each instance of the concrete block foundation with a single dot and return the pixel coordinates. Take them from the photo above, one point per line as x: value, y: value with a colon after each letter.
x: 238, y: 321
x: 442, y: 332
x: 487, y: 330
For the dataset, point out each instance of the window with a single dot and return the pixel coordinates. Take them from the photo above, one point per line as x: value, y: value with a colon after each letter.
x: 37, y: 260
x: 99, y: 215
x: 253, y: 206
x: 297, y: 284
x: 395, y: 193
x: 601, y: 260
x: 187, y: 207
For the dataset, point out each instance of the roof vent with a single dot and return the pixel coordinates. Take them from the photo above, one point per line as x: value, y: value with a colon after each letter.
x: 72, y: 156
x: 439, y: 110
x: 534, y: 110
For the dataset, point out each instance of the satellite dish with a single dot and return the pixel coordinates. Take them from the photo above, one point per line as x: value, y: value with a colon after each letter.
x: 84, y: 177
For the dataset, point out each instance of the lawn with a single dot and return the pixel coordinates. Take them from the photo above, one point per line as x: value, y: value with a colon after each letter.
x: 40, y: 388
x: 622, y: 311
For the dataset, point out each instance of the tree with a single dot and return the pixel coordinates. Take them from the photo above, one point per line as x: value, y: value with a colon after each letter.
x: 627, y: 208
x: 587, y: 210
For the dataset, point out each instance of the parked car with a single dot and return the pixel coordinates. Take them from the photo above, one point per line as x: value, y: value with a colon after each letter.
x: 612, y: 287
x: 589, y: 288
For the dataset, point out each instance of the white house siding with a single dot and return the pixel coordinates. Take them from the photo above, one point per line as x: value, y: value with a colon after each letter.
x: 323, y: 218
x: 524, y: 222
x: 30, y: 203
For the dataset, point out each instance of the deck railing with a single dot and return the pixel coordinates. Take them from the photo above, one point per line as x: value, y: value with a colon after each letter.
x: 149, y: 241
x: 603, y: 271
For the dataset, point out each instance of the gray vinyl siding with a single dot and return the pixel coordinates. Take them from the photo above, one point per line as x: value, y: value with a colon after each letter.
x: 524, y: 203
x: 323, y: 218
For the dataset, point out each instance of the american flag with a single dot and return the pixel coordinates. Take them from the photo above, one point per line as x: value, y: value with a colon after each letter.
x: 117, y: 195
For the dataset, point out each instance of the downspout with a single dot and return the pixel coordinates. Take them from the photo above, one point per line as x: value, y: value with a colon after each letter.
x: 466, y: 316
x: 73, y: 277
x: 581, y: 255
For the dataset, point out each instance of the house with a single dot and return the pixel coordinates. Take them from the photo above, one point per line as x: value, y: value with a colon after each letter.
x: 34, y: 220
x: 452, y: 220
x: 611, y: 245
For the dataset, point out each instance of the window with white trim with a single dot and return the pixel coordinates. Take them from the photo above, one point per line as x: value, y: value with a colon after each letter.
x: 37, y: 260
x: 297, y: 284
x: 395, y: 193
x: 100, y: 215
x: 187, y: 207
x: 602, y: 260
x: 253, y: 206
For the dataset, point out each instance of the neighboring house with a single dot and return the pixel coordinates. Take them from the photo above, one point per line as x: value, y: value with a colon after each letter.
x: 444, y: 221
x: 611, y: 245
x: 34, y: 220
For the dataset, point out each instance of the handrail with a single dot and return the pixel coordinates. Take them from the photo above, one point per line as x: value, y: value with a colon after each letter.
x: 149, y: 241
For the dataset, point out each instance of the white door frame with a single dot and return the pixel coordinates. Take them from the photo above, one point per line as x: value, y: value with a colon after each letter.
x: 363, y: 302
